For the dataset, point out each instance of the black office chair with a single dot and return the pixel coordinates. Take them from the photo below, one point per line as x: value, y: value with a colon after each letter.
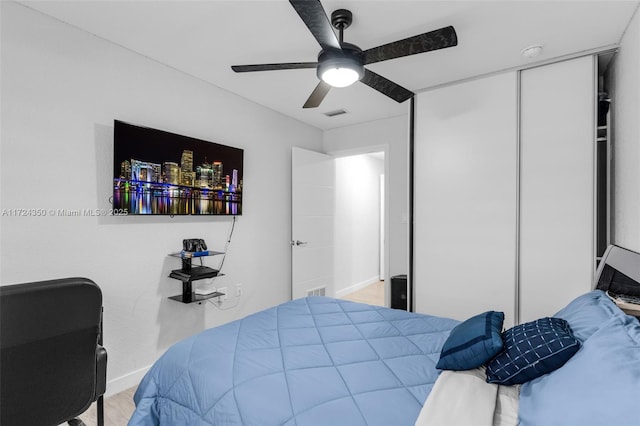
x: 52, y: 363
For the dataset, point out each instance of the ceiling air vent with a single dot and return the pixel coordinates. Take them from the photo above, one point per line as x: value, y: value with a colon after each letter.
x: 334, y: 113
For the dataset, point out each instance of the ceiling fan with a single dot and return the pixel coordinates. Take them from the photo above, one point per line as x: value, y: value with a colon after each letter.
x: 341, y: 64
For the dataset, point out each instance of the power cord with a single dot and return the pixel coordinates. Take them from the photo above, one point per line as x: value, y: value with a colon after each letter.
x: 220, y: 304
x: 226, y: 246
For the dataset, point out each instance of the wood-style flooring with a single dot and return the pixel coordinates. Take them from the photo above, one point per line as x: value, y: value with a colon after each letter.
x: 118, y: 408
x: 372, y: 294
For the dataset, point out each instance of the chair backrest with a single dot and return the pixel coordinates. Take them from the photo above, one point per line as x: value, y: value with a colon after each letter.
x: 49, y: 332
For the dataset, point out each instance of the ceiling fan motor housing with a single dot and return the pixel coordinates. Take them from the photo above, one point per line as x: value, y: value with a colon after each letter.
x: 349, y: 57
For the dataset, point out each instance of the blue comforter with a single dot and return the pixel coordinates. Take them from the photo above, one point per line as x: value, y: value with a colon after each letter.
x: 312, y: 361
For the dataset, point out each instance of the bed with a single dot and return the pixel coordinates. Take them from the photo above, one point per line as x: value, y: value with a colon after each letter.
x: 323, y: 361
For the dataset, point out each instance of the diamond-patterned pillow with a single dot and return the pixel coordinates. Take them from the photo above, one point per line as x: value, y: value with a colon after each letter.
x: 532, y: 350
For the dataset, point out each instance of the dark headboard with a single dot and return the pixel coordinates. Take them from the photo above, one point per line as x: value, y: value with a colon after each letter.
x: 619, y: 272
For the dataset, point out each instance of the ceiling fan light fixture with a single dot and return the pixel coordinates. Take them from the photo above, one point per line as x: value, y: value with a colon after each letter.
x: 340, y: 71
x: 340, y: 77
x: 341, y: 64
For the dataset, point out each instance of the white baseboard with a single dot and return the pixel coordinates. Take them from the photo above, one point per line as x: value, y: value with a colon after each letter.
x: 125, y: 382
x: 356, y: 287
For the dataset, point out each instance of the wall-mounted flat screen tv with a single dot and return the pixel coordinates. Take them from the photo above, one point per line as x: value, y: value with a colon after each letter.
x: 162, y: 173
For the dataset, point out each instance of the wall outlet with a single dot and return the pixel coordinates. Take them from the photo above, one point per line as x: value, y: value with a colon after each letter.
x: 223, y: 290
x: 238, y: 290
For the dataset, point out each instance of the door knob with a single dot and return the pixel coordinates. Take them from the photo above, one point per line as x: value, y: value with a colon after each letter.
x: 298, y: 243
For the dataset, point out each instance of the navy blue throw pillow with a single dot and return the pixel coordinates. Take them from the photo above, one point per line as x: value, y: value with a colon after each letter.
x: 472, y: 342
x: 532, y: 350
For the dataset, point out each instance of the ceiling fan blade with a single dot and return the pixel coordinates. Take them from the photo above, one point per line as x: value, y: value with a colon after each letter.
x: 315, y: 18
x: 274, y: 67
x: 433, y: 40
x: 386, y: 87
x: 317, y: 95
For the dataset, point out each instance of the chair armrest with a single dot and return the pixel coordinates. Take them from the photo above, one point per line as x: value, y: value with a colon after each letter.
x: 101, y: 371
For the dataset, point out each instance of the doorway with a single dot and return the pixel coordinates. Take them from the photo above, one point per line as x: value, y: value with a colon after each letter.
x: 359, y: 243
x: 357, y: 195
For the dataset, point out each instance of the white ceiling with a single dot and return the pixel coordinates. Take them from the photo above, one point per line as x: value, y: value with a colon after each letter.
x: 204, y: 38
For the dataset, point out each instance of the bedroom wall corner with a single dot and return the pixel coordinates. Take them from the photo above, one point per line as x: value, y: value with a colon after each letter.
x: 61, y: 90
x: 626, y: 138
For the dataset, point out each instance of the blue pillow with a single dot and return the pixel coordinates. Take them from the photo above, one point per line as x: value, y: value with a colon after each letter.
x: 598, y: 386
x: 472, y: 342
x: 532, y: 350
x: 586, y: 314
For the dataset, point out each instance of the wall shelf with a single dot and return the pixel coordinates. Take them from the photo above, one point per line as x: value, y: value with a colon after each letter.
x: 188, y: 274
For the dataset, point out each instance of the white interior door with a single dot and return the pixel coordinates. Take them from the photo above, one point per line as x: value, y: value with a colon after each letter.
x: 313, y: 176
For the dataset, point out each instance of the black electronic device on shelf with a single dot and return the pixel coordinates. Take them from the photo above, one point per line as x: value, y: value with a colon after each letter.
x: 189, y: 273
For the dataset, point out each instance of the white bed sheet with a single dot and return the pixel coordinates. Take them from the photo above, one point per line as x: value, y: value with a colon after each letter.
x: 463, y: 398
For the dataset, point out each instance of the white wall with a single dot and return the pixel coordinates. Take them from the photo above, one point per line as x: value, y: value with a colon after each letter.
x: 357, y: 222
x: 625, y: 111
x: 392, y: 136
x: 61, y: 90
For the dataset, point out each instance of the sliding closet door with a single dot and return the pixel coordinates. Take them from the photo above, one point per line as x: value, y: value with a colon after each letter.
x: 556, y: 183
x: 465, y: 198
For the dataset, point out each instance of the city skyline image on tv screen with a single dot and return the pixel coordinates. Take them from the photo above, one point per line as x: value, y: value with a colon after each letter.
x: 161, y: 173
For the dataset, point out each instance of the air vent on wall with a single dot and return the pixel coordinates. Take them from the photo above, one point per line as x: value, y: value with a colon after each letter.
x: 320, y: 291
x: 334, y: 113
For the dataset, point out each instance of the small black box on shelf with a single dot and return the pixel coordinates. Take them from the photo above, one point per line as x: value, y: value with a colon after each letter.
x: 196, y: 273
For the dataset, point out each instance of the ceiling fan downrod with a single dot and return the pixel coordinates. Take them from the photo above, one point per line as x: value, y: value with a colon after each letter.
x: 341, y: 19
